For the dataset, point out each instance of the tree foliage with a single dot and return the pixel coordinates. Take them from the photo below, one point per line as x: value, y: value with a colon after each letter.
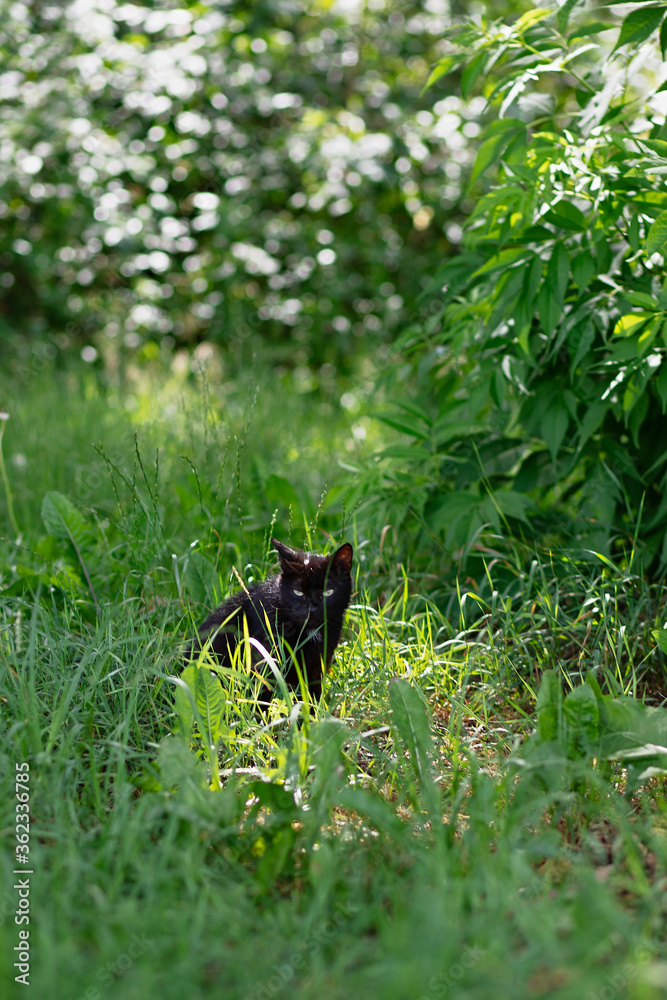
x: 184, y: 172
x: 542, y: 382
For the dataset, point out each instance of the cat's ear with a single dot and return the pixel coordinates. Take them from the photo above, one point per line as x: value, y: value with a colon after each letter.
x: 288, y: 556
x: 341, y: 560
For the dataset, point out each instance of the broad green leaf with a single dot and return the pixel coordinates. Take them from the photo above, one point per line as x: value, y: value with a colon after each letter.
x: 412, y: 452
x: 593, y: 28
x: 411, y: 724
x: 630, y: 723
x: 445, y: 66
x: 571, y: 402
x: 657, y: 234
x: 63, y: 520
x: 647, y: 336
x: 532, y: 279
x: 65, y: 578
x: 653, y: 725
x: 592, y: 419
x: 660, y: 636
x: 445, y: 511
x: 642, y: 299
x: 449, y: 430
x: 660, y: 383
x: 581, y: 338
x: 650, y: 202
x: 184, y: 700
x: 639, y: 24
x: 552, y: 293
x: 553, y: 426
x: 582, y: 717
x: 549, y: 706
x: 583, y: 268
x: 211, y: 705
x: 638, y: 410
x: 658, y: 146
x: 631, y: 323
x: 415, y: 410
x: 503, y: 259
x: 528, y: 174
x: 597, y: 690
x: 559, y: 268
x: 551, y: 139
x: 513, y: 504
x: 197, y: 575
x: 456, y: 272
x: 508, y: 292
x: 201, y: 697
x: 178, y: 766
x: 471, y: 72
x: 280, y: 493
x: 404, y: 425
x: 523, y: 339
x: 488, y: 513
x: 493, y: 147
x: 276, y: 858
x: 567, y: 216
x: 326, y: 740
x: 531, y: 18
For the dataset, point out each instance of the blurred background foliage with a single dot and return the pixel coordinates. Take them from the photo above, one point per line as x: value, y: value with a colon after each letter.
x: 175, y: 173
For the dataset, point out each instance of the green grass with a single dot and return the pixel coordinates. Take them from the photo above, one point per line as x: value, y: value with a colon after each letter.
x: 386, y: 842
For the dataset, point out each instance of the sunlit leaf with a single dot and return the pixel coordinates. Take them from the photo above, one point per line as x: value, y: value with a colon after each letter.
x: 630, y: 323
x: 660, y: 636
x: 657, y: 234
x: 639, y: 24
x: 444, y: 67
x: 501, y: 260
x: 531, y: 18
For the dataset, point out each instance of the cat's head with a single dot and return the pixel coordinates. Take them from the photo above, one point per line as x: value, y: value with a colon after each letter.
x: 314, y: 586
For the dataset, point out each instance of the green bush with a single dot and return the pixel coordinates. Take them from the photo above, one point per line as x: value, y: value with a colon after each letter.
x: 540, y: 385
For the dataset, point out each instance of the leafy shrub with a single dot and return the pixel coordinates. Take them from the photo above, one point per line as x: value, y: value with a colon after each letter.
x: 586, y: 725
x: 540, y: 386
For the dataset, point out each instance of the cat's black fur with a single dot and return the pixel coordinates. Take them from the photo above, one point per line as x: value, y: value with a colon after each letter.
x: 297, y: 607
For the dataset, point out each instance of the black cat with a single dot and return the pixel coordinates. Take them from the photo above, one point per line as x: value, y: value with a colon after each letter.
x: 304, y: 604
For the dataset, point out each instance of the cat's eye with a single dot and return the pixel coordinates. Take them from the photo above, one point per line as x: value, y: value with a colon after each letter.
x: 299, y: 593
x: 329, y: 592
